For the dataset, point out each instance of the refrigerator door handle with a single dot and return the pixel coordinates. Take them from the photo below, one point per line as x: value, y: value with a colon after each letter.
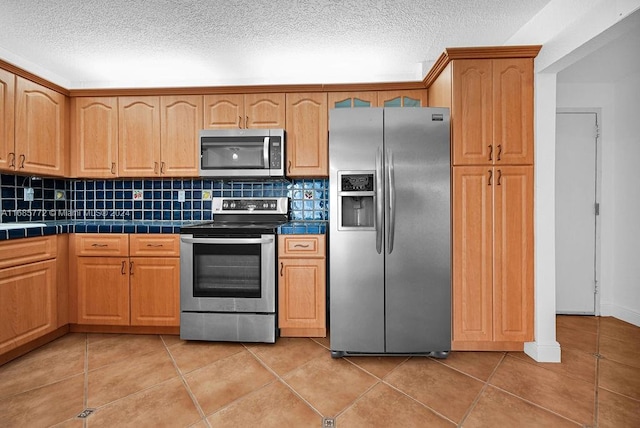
x: 392, y: 202
x: 379, y: 196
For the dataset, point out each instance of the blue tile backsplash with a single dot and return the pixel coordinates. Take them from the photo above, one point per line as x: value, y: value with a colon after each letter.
x: 150, y: 199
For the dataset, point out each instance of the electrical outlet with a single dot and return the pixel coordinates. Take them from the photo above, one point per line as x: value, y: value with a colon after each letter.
x: 28, y: 194
x: 181, y: 196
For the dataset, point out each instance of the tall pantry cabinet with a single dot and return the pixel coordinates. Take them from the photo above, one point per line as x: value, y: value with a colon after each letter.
x: 490, y: 93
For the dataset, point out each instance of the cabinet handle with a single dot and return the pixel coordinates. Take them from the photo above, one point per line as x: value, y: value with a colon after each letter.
x: 499, y: 177
x: 162, y: 167
x: 289, y: 167
x: 490, y: 177
x: 130, y: 268
x: 239, y: 121
x: 155, y: 167
x: 155, y: 245
x: 302, y: 245
x: 246, y: 122
x: 113, y: 168
x: 490, y: 151
x: 12, y: 156
x: 99, y: 245
x: 281, y: 267
x: 499, y: 150
x: 22, y: 159
x: 122, y: 268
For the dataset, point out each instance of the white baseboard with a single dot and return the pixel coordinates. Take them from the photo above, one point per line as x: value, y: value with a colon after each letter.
x: 543, y: 353
x: 624, y: 314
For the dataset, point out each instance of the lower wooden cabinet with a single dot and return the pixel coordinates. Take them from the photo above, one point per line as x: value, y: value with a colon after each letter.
x: 120, y: 282
x: 28, y: 296
x: 302, y: 286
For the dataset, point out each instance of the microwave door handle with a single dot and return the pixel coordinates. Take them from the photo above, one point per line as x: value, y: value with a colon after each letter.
x: 265, y: 152
x: 226, y: 240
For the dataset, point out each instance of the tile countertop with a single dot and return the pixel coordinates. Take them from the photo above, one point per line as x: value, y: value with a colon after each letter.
x: 139, y: 226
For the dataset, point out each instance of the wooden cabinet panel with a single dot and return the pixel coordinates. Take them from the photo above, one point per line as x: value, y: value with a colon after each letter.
x: 307, y: 135
x: 23, y: 251
x: 244, y: 111
x: 7, y: 120
x: 27, y: 303
x: 155, y: 296
x: 103, y: 290
x: 302, y: 286
x: 513, y: 250
x: 154, y: 245
x: 94, y: 137
x: 352, y: 99
x: 138, y: 136
x: 264, y: 110
x: 492, y: 111
x: 403, y: 98
x: 181, y: 123
x: 39, y: 129
x: 492, y: 257
x: 102, y: 244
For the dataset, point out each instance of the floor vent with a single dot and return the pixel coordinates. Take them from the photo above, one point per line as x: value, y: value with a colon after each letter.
x: 86, y: 413
x: 328, y: 423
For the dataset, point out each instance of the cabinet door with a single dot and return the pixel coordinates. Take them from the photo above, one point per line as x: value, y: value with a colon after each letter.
x: 181, y: 122
x: 39, y: 129
x: 139, y: 136
x: 472, y: 254
x: 264, y: 111
x: 307, y: 135
x: 94, y: 137
x: 27, y: 303
x: 352, y: 99
x: 155, y: 291
x: 405, y: 98
x: 7, y: 120
x: 471, y: 113
x: 513, y: 253
x: 223, y: 111
x: 301, y: 296
x: 103, y: 290
x: 513, y: 111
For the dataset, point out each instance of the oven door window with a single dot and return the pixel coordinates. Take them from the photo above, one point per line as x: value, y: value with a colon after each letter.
x: 227, y: 270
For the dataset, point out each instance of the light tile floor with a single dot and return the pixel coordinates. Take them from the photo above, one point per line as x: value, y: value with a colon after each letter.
x: 161, y: 381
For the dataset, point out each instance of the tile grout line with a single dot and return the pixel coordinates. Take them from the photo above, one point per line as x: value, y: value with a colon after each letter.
x: 203, y: 417
x: 597, y: 381
x: 85, y: 401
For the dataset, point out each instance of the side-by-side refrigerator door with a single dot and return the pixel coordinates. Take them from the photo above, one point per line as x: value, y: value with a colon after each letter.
x: 418, y: 261
x: 356, y: 255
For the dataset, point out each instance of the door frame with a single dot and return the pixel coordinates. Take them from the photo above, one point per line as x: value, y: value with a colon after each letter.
x: 598, y: 196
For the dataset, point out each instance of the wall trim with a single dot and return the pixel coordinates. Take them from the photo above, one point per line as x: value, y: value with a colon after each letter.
x: 543, y: 353
x: 621, y: 313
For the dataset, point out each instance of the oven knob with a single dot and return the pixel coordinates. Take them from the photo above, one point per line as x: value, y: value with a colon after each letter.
x: 233, y: 205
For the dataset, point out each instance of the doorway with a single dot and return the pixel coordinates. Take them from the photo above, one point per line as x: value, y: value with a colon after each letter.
x: 577, y: 211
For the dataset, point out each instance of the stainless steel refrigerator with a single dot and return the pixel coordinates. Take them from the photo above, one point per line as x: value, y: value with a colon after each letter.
x: 390, y: 231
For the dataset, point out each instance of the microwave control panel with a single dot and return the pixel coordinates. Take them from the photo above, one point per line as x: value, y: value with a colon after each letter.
x: 275, y: 153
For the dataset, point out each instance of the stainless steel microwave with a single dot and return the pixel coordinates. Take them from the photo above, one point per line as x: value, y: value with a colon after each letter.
x: 242, y: 153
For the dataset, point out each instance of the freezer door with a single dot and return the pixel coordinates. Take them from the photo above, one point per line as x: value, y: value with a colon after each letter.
x: 356, y: 269
x: 418, y: 259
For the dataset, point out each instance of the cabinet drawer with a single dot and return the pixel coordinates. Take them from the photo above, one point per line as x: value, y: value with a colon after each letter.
x: 101, y: 244
x: 20, y: 251
x: 167, y: 245
x: 301, y: 245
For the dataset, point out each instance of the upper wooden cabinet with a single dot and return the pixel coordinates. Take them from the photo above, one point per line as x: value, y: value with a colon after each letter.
x: 7, y: 120
x: 40, y: 130
x: 244, y: 111
x: 492, y: 111
x: 403, y: 98
x: 94, y: 137
x: 307, y: 139
x: 352, y: 99
x: 158, y: 136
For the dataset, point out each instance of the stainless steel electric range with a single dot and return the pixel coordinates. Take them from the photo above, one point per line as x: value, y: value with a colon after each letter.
x: 228, y: 272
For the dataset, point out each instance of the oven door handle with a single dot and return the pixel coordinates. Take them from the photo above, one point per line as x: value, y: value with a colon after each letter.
x: 226, y: 240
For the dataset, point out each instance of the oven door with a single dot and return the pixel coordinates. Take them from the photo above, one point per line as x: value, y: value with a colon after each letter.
x: 227, y: 274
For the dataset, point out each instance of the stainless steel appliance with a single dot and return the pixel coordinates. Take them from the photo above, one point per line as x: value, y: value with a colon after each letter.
x: 228, y: 272
x: 242, y: 153
x: 390, y: 231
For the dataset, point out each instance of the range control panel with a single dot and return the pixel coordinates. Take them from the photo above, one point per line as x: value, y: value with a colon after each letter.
x: 250, y: 205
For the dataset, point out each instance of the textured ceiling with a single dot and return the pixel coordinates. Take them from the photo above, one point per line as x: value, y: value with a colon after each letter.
x: 134, y: 43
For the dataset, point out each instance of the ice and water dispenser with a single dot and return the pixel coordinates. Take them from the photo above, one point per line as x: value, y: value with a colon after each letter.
x: 356, y: 200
